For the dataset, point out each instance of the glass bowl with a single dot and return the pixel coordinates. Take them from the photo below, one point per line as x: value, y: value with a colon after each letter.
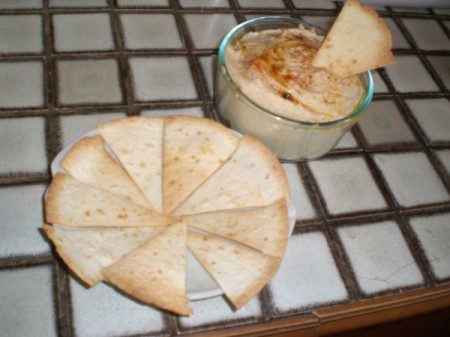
x: 290, y: 140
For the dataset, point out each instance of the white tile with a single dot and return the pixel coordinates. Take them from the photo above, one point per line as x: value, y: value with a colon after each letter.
x: 88, y: 81
x: 422, y: 30
x: 380, y: 8
x: 378, y: 84
x: 433, y: 233
x: 208, y: 64
x: 319, y: 4
x: 308, y: 275
x: 152, y: 76
x: 254, y: 16
x: 299, y: 197
x: 445, y: 11
x: 147, y: 31
x: 411, y: 9
x: 72, y: 127
x: 261, y: 4
x: 410, y: 75
x: 21, y: 84
x: 447, y: 22
x: 22, y: 4
x: 383, y: 124
x: 208, y: 30
x: 398, y: 40
x: 82, y: 32
x: 380, y: 257
x: 411, y: 178
x: 21, y: 34
x: 204, y: 3
x: 433, y: 116
x: 23, y: 145
x: 324, y: 22
x: 102, y: 312
x: 343, y: 182
x: 143, y: 3
x: 21, y: 215
x: 26, y: 302
x: 442, y: 66
x: 78, y: 3
x: 444, y: 157
x: 196, y: 111
x: 347, y: 142
x: 218, y: 310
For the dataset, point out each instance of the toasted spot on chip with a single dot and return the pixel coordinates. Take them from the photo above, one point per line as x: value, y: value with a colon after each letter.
x: 361, y: 42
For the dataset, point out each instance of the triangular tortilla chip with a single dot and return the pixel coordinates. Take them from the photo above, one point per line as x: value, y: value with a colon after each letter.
x: 89, y: 162
x: 240, y: 271
x: 86, y: 251
x: 358, y: 41
x: 252, y: 177
x: 72, y: 203
x: 193, y: 149
x: 138, y: 144
x: 155, y: 272
x: 265, y: 229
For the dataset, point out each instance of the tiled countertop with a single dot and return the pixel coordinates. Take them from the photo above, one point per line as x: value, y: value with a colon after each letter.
x: 373, y: 216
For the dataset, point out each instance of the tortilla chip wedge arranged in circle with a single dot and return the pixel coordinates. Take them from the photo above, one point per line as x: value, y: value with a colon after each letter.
x: 240, y: 271
x: 72, y: 203
x: 193, y: 149
x: 121, y: 213
x: 155, y: 272
x: 252, y: 177
x: 86, y: 251
x: 358, y: 41
x: 265, y: 228
x: 138, y: 144
x: 89, y: 162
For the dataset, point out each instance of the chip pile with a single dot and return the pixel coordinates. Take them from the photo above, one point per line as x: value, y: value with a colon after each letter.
x: 136, y: 196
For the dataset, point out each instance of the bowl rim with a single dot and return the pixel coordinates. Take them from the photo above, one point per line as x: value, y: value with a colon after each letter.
x: 366, y: 78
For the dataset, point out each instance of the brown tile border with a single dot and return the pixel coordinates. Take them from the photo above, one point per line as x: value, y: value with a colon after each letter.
x: 359, y: 309
x: 381, y: 310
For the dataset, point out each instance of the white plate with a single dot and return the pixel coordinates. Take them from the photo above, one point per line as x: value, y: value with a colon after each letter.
x: 199, y: 284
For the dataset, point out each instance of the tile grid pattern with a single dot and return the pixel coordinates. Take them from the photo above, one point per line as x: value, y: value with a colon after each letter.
x: 333, y: 222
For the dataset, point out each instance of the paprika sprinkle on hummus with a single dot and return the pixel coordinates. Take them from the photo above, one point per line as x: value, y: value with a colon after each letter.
x: 274, y: 68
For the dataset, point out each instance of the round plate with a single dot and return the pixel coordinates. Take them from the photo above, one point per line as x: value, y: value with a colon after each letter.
x: 199, y: 284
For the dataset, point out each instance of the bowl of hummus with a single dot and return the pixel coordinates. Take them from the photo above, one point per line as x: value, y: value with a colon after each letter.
x: 266, y: 86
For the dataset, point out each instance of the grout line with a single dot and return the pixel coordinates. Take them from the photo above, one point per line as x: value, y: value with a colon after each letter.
x: 419, y: 257
x: 343, y: 263
x: 237, y: 13
x: 324, y: 222
x: 267, y: 306
x: 62, y: 309
x: 443, y: 26
x: 63, y: 305
x: 25, y: 178
x: 433, y: 73
x: 440, y: 170
x: 15, y: 262
x: 310, y: 190
x: 319, y: 203
x: 289, y: 5
x: 196, y: 70
x: 172, y: 323
x: 52, y: 135
x: 124, y: 69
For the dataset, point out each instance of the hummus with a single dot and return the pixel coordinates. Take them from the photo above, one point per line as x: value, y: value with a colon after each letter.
x: 273, y: 69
